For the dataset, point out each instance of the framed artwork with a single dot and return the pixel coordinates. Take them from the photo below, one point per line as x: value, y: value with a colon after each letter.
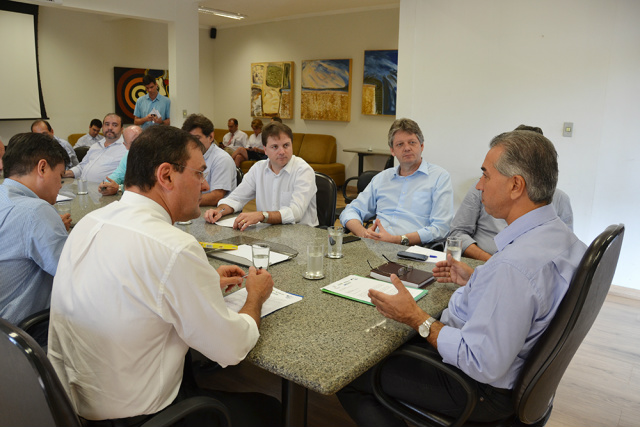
x: 326, y: 90
x: 129, y: 87
x: 380, y: 82
x: 271, y: 89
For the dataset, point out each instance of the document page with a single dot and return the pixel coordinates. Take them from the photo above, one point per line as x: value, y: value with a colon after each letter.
x: 244, y: 251
x: 432, y: 256
x: 228, y: 222
x: 357, y: 287
x: 277, y: 300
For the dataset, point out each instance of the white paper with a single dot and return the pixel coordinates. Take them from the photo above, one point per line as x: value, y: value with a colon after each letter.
x: 433, y: 256
x: 277, y: 300
x: 357, y: 287
x: 244, y: 251
x: 228, y: 222
x: 63, y: 198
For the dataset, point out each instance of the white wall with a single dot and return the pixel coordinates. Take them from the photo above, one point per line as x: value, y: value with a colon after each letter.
x: 469, y: 70
x: 226, y: 63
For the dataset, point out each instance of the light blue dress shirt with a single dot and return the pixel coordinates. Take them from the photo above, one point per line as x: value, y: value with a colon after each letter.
x: 118, y: 174
x: 221, y: 169
x: 31, y: 237
x: 422, y: 202
x: 494, y: 321
x: 144, y: 105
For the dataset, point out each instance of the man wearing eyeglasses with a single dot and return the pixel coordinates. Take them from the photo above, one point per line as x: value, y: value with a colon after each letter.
x: 119, y: 335
x: 412, y: 203
x: 221, y: 169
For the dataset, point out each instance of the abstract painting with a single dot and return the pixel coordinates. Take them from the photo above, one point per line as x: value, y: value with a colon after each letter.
x: 326, y: 90
x: 271, y: 89
x: 380, y: 83
x: 129, y: 87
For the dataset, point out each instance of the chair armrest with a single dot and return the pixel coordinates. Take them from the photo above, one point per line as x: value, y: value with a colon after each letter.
x: 344, y: 189
x: 176, y: 412
x: 36, y: 319
x: 419, y: 416
x: 437, y: 245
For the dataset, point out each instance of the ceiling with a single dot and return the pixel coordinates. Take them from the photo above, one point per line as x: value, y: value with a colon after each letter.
x: 277, y: 10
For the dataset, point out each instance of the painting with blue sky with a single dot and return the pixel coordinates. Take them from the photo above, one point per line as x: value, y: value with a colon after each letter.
x: 380, y: 83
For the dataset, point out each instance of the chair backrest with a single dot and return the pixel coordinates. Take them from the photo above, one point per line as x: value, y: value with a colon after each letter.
x: 365, y: 179
x: 81, y: 152
x: 326, y: 199
x: 30, y: 392
x: 239, y: 176
x: 551, y: 355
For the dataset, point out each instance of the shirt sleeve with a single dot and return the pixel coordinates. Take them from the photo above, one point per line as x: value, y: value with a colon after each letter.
x: 442, y: 211
x: 118, y: 174
x: 243, y: 193
x: 488, y: 343
x: 465, y: 222
x: 47, y: 236
x: 222, y: 174
x: 363, y: 207
x: 304, y: 190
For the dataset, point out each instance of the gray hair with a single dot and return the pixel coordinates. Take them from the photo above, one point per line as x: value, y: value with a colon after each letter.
x: 533, y: 157
x: 405, y: 125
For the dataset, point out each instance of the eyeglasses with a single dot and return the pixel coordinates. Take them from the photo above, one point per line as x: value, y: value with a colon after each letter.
x: 203, y: 174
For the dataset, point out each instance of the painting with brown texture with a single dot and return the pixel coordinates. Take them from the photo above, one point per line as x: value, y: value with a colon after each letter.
x: 271, y: 89
x: 326, y: 90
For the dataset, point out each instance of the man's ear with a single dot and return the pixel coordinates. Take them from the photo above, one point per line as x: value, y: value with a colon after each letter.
x: 41, y: 168
x: 164, y: 176
x: 518, y: 187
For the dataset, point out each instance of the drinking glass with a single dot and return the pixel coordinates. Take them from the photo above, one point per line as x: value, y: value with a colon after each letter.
x: 260, y: 253
x: 454, y: 247
x: 334, y: 247
x: 315, y: 256
x: 82, y: 186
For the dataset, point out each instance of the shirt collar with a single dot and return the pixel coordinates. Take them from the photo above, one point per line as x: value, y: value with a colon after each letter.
x: 523, y: 224
x: 423, y: 168
x: 18, y: 187
x: 131, y: 198
x: 287, y: 168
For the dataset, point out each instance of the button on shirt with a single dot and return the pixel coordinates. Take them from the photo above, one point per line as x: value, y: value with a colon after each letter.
x: 221, y: 169
x: 493, y: 322
x: 31, y: 236
x: 292, y: 192
x: 422, y: 202
x: 144, y: 106
x: 120, y: 329
x: 100, y: 161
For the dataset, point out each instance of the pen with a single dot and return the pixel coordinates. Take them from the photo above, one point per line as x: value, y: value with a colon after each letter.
x: 247, y: 275
x: 433, y: 256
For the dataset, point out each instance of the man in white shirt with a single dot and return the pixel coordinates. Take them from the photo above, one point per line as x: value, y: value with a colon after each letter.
x: 234, y: 138
x: 118, y: 336
x: 43, y: 126
x: 93, y: 136
x: 103, y: 157
x: 221, y: 169
x: 283, y: 185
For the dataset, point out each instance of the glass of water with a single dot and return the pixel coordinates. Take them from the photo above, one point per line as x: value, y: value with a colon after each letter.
x: 260, y: 253
x: 315, y: 256
x: 334, y: 247
x: 82, y: 186
x: 454, y: 247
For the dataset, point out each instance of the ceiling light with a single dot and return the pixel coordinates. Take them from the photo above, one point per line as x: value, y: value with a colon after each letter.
x: 217, y: 12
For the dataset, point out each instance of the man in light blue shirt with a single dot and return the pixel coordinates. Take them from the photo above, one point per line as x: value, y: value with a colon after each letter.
x: 43, y: 126
x: 114, y: 182
x: 501, y: 309
x: 32, y: 233
x: 152, y: 108
x: 412, y: 203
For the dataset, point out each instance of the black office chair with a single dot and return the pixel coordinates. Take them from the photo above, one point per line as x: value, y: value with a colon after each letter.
x: 540, y: 376
x: 80, y: 152
x: 37, y: 326
x: 239, y: 176
x: 362, y: 182
x: 326, y: 199
x: 31, y: 393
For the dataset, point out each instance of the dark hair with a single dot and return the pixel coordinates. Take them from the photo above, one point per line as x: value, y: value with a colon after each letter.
x: 41, y: 121
x: 148, y: 79
x: 533, y: 157
x: 276, y: 119
x: 530, y: 128
x: 198, y: 121
x: 96, y: 122
x: 257, y: 123
x: 405, y: 125
x: 157, y: 145
x: 274, y: 129
x: 235, y: 121
x: 25, y: 150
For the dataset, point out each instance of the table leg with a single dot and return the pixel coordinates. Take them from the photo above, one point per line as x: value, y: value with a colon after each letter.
x: 360, y: 163
x: 294, y: 404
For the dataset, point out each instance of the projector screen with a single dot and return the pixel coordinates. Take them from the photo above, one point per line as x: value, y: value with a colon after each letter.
x: 20, y: 94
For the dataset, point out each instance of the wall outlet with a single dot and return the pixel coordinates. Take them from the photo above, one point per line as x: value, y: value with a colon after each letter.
x: 567, y: 129
x: 184, y: 114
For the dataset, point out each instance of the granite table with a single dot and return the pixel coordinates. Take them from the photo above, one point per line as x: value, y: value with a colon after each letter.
x: 323, y: 342
x: 82, y: 204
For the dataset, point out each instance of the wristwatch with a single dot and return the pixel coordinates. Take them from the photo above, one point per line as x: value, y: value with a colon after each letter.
x: 425, y: 328
x: 266, y: 216
x: 404, y: 240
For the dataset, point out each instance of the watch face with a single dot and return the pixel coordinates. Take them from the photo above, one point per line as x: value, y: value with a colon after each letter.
x: 424, y: 330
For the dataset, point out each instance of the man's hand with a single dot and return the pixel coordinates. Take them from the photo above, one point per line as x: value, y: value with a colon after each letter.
x: 108, y: 188
x: 153, y: 118
x: 259, y: 287
x: 213, y: 215
x: 400, y: 307
x: 246, y: 219
x: 377, y: 232
x: 66, y: 220
x: 230, y: 276
x: 452, y: 271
